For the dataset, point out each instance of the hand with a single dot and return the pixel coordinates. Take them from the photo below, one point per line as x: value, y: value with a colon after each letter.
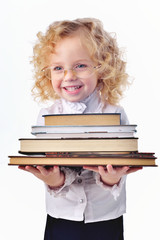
x: 53, y: 177
x: 110, y: 175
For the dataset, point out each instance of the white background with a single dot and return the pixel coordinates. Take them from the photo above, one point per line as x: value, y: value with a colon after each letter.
x: 137, y: 25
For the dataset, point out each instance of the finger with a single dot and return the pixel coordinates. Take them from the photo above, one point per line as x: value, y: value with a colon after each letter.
x: 31, y: 169
x: 43, y: 170
x: 56, y: 169
x: 28, y: 169
x: 124, y: 170
x: 110, y: 169
x: 22, y: 168
x: 102, y: 170
x: 132, y: 170
x: 121, y: 170
x: 46, y: 172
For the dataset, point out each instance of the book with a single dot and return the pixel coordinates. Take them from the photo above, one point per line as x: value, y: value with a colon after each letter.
x: 85, y: 135
x: 83, y: 119
x: 73, y: 145
x: 138, y: 159
x: 85, y: 131
x: 87, y: 154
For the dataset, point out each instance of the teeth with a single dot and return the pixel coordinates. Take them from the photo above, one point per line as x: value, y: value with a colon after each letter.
x: 72, y: 88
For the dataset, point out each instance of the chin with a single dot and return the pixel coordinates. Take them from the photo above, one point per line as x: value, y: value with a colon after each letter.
x: 74, y: 98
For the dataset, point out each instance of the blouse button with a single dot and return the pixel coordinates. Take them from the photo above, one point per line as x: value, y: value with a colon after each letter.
x: 81, y: 200
x: 79, y: 180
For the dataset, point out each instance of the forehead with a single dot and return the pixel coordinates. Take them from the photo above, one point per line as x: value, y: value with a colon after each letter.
x: 70, y: 49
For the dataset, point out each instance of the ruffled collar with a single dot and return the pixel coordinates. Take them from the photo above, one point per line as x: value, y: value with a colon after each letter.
x: 92, y: 104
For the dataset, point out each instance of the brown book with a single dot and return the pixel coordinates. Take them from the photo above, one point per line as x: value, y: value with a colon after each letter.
x: 82, y: 119
x: 74, y: 145
x: 115, y: 160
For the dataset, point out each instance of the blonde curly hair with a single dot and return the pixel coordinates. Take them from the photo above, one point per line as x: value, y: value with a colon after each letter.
x: 102, y: 48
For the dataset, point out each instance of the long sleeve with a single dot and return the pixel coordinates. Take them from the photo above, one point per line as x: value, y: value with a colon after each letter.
x: 70, y: 176
x: 115, y: 190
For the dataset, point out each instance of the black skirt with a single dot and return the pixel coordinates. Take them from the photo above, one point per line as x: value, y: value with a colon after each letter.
x: 61, y: 229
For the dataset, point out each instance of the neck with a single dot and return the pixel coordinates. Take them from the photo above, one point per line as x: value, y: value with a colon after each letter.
x: 91, y: 104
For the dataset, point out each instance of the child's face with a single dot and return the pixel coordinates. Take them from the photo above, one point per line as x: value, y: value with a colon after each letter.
x: 70, y: 53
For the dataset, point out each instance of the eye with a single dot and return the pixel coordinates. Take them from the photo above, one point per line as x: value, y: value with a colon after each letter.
x: 80, y: 67
x: 57, y: 69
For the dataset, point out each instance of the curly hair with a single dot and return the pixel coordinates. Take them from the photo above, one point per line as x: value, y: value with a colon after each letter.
x: 102, y: 48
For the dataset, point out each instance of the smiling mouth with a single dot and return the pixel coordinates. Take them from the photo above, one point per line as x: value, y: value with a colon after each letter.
x: 72, y: 88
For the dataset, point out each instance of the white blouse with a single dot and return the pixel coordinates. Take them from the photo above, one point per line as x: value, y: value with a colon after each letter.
x: 83, y: 196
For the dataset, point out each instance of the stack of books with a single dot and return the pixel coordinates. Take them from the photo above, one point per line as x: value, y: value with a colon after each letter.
x: 78, y: 140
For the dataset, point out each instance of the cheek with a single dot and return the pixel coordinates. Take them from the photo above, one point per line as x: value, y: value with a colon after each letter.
x: 56, y: 85
x: 91, y: 83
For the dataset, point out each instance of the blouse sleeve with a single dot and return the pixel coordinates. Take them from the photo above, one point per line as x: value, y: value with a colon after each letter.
x: 40, y: 119
x: 70, y: 176
x: 124, y: 118
x: 115, y: 189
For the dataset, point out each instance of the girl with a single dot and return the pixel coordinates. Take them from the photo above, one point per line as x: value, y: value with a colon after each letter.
x: 78, y: 64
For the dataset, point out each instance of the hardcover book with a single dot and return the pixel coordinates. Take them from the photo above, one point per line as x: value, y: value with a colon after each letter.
x: 83, y: 159
x: 84, y: 131
x: 74, y: 145
x: 83, y: 119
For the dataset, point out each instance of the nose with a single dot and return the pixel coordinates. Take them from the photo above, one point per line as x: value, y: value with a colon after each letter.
x: 69, y: 75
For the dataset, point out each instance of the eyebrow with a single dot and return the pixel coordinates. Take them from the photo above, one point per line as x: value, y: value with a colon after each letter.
x: 77, y: 61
